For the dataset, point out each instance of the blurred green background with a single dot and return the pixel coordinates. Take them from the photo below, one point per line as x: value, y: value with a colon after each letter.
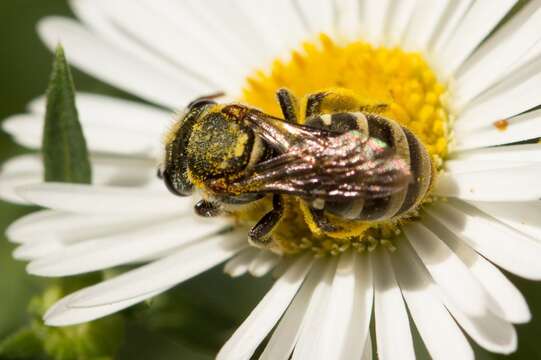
x: 193, y: 320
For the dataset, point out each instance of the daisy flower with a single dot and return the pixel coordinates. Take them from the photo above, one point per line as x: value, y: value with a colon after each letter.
x: 462, y: 79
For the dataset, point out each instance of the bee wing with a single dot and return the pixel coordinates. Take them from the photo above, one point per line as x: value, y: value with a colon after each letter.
x: 335, y: 167
x: 280, y: 134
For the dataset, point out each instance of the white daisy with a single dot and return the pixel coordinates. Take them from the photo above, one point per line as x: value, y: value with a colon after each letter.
x: 442, y: 268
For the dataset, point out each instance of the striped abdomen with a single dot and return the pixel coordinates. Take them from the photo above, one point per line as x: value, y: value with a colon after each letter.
x: 405, y: 145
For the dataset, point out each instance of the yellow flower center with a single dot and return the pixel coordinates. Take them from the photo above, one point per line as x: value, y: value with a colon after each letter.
x: 380, y: 75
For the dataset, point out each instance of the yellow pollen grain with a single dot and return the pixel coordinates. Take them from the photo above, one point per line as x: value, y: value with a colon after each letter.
x: 382, y: 75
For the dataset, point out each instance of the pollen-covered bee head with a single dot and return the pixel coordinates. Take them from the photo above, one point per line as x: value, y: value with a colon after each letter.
x: 206, y: 144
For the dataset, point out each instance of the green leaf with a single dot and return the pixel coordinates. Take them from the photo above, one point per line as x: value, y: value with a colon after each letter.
x: 65, y: 155
x: 25, y: 344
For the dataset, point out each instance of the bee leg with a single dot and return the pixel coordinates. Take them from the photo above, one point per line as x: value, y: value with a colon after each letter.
x: 288, y: 104
x: 260, y: 234
x: 322, y: 222
x: 341, y: 100
x: 207, y: 208
x: 313, y: 104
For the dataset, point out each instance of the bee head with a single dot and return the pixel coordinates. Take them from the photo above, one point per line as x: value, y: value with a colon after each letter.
x: 206, y: 144
x: 174, y: 171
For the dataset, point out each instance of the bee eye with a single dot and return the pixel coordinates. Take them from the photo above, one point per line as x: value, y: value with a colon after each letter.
x: 169, y: 183
x: 176, y: 186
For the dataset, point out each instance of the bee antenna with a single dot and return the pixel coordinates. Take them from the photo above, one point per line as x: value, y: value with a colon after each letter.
x: 205, y: 100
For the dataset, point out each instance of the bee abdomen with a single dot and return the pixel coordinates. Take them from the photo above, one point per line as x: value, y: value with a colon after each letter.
x: 404, y: 143
x: 421, y: 170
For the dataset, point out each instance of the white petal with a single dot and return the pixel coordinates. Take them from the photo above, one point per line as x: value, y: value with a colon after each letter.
x: 426, y: 18
x: 393, y: 332
x: 439, y: 332
x: 281, y: 28
x: 518, y: 93
x: 493, y: 61
x: 532, y: 55
x: 114, y: 113
x: 492, y: 185
x: 282, y: 266
x: 348, y: 20
x: 318, y: 15
x: 27, y: 130
x: 45, y: 225
x: 400, y: 14
x: 106, y: 170
x: 22, y: 163
x: 225, y: 24
x: 511, y: 305
x: 478, y: 22
x: 151, y: 280
x: 185, y: 263
x: 519, y: 128
x: 497, y: 242
x: 375, y: 15
x: 350, y: 309
x: 489, y: 331
x: 523, y: 216
x: 93, y: 16
x: 36, y: 250
x: 121, y: 171
x: 287, y: 332
x: 62, y: 314
x: 94, y: 199
x: 263, y: 263
x: 124, y: 71
x: 227, y: 31
x: 449, y: 23
x: 164, y: 22
x: 124, y: 247
x: 18, y: 171
x: 239, y: 264
x: 367, y: 354
x: 265, y: 316
x: 313, y: 327
x: 516, y: 153
x: 447, y: 270
x: 467, y: 166
x: 10, y: 182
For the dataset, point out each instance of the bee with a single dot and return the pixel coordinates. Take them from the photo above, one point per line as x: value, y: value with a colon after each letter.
x: 335, y: 154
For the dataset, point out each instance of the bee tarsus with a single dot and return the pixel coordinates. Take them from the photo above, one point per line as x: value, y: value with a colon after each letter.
x: 322, y: 222
x: 260, y: 234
